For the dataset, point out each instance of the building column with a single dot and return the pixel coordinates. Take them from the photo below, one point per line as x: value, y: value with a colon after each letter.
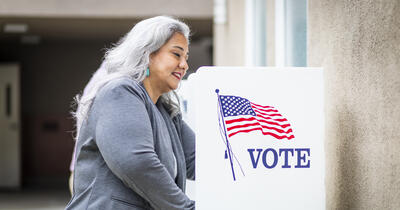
x: 358, y: 45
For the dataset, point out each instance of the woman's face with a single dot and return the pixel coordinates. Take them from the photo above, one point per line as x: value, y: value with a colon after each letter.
x: 168, y: 65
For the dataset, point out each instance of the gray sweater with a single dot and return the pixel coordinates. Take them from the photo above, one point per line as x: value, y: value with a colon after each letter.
x: 129, y: 150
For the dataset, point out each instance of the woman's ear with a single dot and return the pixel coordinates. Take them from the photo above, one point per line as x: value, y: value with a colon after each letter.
x: 152, y: 55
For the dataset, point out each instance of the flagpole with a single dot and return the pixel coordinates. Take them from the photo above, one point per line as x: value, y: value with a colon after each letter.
x: 226, y: 138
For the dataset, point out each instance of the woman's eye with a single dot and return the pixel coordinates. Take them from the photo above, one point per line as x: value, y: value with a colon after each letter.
x: 177, y: 55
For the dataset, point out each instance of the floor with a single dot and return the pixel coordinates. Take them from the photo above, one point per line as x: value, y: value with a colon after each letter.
x: 56, y: 199
x: 34, y: 199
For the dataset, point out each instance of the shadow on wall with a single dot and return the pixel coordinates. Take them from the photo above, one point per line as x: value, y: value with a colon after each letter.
x: 349, y: 169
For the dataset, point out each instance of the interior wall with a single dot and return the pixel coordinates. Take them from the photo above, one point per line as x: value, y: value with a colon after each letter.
x: 51, y: 75
x: 105, y: 8
x: 358, y: 45
x: 54, y: 73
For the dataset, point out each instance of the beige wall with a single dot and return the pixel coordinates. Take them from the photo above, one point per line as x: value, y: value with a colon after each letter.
x: 106, y: 8
x: 270, y: 32
x: 229, y: 38
x: 358, y: 45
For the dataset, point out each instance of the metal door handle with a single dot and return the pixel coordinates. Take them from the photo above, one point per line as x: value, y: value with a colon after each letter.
x: 8, y: 100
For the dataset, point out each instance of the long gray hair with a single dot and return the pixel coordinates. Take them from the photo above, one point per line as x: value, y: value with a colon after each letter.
x: 130, y: 58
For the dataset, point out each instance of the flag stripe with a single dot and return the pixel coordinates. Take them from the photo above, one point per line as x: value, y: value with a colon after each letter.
x: 239, y: 120
x: 273, y: 118
x: 271, y: 115
x: 265, y: 110
x: 263, y: 126
x: 228, y: 122
x: 254, y: 123
x: 266, y: 107
x: 273, y: 123
x: 278, y: 120
x: 264, y: 133
x: 263, y: 129
x: 242, y: 116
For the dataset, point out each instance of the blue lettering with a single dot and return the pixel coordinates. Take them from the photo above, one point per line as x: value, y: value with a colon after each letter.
x: 265, y: 158
x: 301, y: 158
x: 286, y: 151
x: 252, y: 156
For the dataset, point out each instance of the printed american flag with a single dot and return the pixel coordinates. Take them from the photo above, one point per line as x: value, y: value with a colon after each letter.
x: 243, y: 116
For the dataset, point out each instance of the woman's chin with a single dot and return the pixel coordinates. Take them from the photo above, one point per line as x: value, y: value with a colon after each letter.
x: 174, y: 86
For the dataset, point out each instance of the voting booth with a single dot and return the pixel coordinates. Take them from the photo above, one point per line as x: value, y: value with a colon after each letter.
x: 259, y: 137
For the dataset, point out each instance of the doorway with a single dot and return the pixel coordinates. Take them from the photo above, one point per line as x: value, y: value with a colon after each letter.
x: 10, y: 149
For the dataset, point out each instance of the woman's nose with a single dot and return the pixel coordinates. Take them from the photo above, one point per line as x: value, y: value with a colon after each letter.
x: 183, y: 64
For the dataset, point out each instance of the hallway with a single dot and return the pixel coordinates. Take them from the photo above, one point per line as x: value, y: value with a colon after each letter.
x: 34, y: 199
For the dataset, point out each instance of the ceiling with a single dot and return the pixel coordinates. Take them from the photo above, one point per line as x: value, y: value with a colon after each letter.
x: 85, y: 29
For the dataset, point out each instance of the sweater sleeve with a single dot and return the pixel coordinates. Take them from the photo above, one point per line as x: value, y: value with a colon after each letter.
x: 125, y: 139
x: 188, y: 144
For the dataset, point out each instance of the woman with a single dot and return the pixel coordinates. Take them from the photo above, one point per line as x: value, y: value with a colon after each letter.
x: 100, y: 73
x: 133, y: 149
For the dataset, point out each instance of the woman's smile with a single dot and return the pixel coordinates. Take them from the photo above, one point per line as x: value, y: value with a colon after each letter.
x: 178, y: 75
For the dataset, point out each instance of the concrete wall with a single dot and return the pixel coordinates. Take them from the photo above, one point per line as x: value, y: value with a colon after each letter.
x: 106, y: 8
x: 357, y: 42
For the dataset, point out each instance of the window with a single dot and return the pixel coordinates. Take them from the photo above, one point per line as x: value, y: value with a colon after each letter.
x: 290, y: 32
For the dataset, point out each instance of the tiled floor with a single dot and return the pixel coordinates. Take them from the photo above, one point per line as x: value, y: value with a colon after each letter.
x: 34, y: 199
